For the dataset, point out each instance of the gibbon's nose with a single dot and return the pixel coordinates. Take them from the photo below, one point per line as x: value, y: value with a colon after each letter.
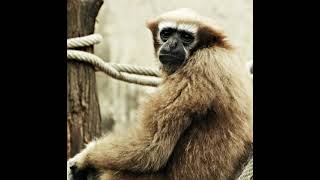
x: 173, y: 43
x: 172, y: 46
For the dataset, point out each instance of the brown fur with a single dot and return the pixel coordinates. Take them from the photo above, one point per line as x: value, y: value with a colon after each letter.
x: 197, y: 126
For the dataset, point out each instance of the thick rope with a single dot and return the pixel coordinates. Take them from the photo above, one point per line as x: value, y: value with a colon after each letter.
x: 247, y: 167
x: 247, y: 173
x: 112, y: 71
x: 136, y: 69
x: 84, y: 41
x: 117, y: 71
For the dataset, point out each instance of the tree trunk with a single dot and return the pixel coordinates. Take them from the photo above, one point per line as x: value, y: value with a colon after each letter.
x: 83, y: 111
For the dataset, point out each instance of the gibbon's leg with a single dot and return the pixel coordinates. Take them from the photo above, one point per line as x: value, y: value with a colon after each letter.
x: 147, y: 147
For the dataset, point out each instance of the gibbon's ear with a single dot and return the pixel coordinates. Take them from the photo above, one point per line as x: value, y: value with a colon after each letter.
x: 152, y: 25
x: 208, y: 36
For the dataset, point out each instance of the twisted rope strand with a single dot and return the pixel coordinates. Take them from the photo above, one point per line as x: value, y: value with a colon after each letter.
x: 84, y: 41
x: 114, y: 72
x: 124, y: 72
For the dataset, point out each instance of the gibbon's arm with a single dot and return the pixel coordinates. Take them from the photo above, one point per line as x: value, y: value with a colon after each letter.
x: 148, y: 147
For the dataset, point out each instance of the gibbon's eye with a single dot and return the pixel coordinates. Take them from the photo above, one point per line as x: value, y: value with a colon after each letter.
x: 165, y: 34
x: 186, y: 37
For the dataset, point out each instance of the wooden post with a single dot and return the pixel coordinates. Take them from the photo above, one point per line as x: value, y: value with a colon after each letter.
x: 83, y: 111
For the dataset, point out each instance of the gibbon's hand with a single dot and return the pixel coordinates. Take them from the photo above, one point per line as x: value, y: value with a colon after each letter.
x: 70, y: 168
x: 78, y: 162
x: 73, y: 166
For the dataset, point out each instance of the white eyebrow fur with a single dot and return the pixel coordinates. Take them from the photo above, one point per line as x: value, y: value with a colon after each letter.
x: 167, y: 24
x: 188, y: 28
x: 192, y: 28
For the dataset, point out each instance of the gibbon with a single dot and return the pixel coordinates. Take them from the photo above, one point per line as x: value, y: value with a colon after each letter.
x: 198, y: 125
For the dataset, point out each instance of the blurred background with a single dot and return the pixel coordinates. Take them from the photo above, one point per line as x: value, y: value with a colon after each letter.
x: 127, y: 40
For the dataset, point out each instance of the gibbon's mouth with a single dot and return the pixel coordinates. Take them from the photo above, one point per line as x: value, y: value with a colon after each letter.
x: 170, y: 59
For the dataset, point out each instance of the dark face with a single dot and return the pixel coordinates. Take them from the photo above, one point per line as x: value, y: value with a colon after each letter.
x: 175, y: 48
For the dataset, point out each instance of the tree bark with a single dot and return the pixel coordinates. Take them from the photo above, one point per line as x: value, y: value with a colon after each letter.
x: 83, y: 111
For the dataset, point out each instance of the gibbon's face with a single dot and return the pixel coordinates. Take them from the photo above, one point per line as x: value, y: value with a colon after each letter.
x: 178, y: 34
x: 176, y: 43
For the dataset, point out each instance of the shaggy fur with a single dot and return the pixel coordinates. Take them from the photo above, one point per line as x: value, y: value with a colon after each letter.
x: 198, y: 125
